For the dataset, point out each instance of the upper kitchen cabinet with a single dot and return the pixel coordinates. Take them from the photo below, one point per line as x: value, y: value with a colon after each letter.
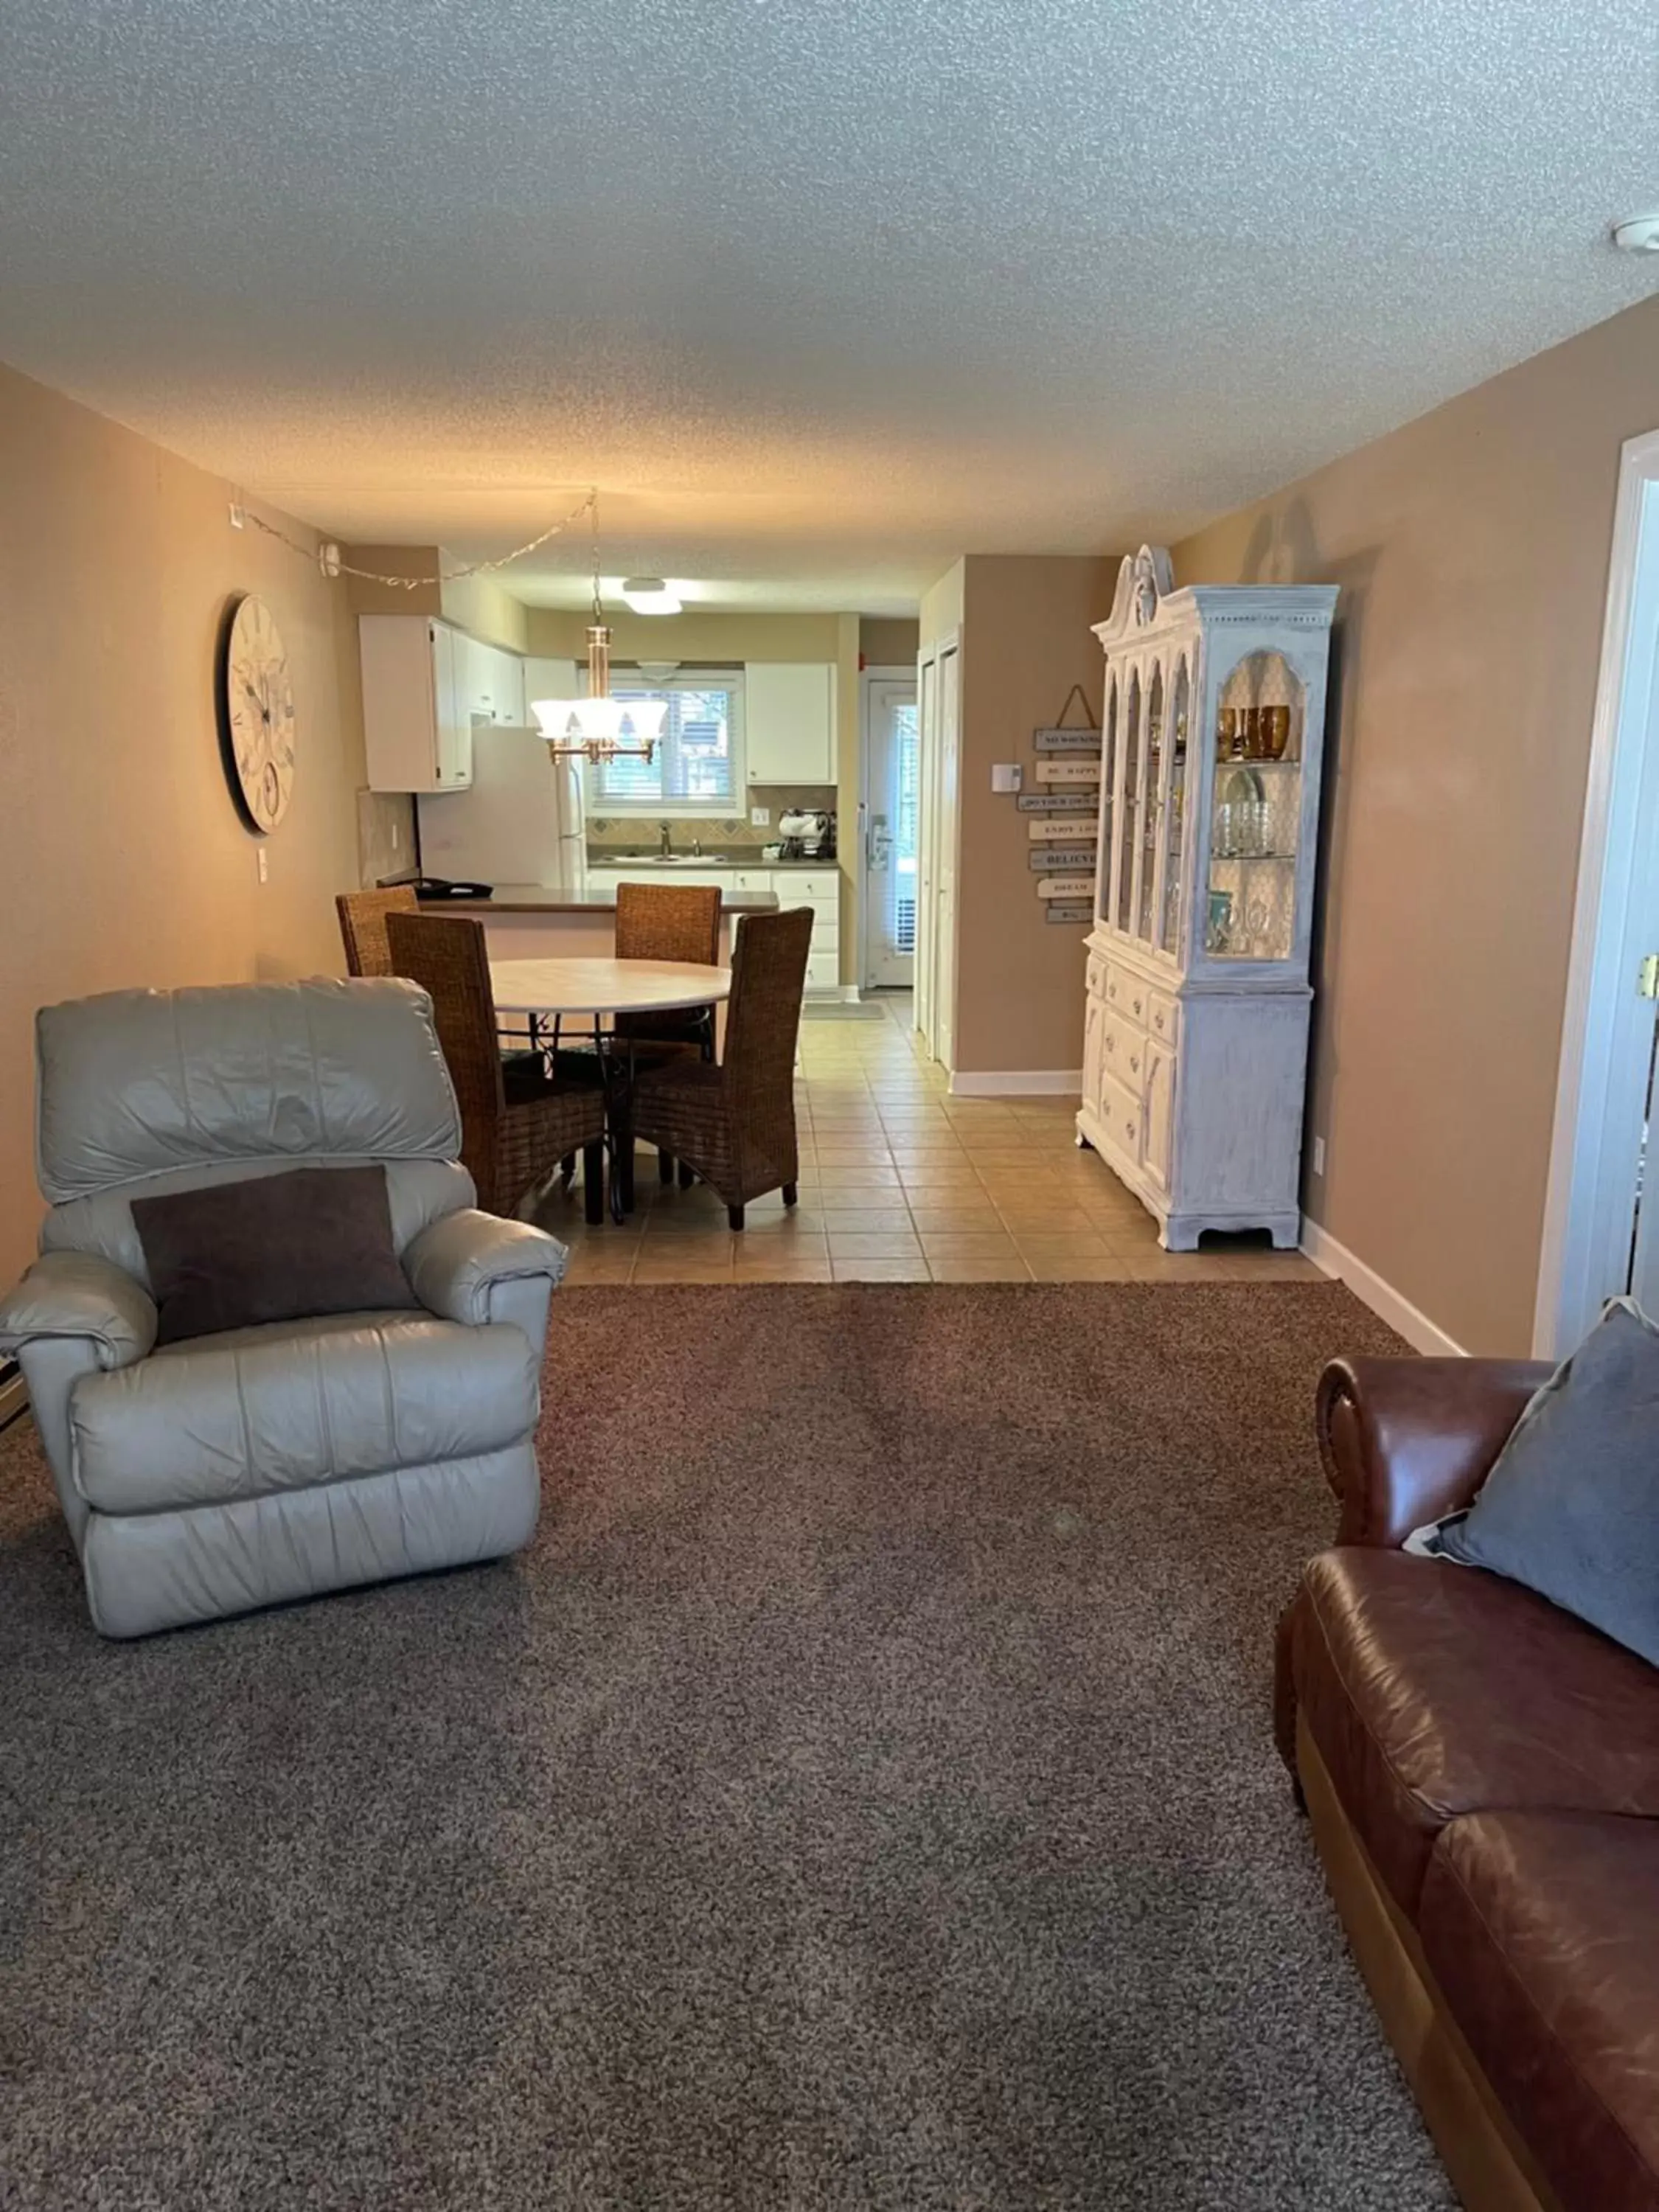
x: 492, y: 683
x: 789, y: 721
x: 418, y: 726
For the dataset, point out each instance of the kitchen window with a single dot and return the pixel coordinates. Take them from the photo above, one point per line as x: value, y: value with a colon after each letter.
x: 698, y: 767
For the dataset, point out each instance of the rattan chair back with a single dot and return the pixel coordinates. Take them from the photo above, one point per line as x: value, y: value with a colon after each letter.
x: 762, y: 1015
x: 669, y: 921
x: 445, y: 955
x: 362, y: 927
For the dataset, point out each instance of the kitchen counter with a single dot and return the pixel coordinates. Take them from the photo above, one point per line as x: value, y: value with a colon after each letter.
x: 650, y: 863
x: 536, y: 898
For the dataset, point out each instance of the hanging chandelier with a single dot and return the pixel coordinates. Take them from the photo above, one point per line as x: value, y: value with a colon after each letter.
x: 592, y: 728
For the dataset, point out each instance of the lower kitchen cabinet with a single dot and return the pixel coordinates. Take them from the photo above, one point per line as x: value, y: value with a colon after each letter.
x: 818, y: 888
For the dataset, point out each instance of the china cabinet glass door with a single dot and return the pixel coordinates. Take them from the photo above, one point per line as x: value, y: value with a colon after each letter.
x: 1173, y: 815
x: 1128, y: 832
x: 1108, y: 795
x: 1255, y: 812
x: 1153, y: 784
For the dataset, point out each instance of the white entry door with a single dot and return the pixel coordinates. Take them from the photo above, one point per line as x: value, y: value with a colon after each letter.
x: 891, y: 823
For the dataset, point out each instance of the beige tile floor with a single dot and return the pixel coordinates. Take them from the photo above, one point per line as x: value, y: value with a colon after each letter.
x: 901, y: 1183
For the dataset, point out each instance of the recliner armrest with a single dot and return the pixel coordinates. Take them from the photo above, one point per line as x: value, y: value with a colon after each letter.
x: 80, y: 1295
x: 453, y: 1264
x: 1405, y: 1441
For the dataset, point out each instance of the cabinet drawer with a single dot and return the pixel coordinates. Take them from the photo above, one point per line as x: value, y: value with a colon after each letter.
x: 1123, y: 1051
x: 1121, y: 1118
x: 1094, y: 978
x: 1163, y: 1017
x: 1127, y: 994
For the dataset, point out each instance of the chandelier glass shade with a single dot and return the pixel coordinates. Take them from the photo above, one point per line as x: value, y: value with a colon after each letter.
x: 595, y: 727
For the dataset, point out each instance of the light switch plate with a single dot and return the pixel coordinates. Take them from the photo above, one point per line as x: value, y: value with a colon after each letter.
x: 1007, y: 775
x: 759, y: 817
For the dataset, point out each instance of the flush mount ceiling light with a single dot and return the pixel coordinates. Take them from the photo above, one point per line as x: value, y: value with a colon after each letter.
x: 591, y: 728
x: 650, y: 595
x: 1638, y: 233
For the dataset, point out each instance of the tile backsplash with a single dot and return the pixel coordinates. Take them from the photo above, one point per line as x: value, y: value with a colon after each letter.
x: 721, y: 833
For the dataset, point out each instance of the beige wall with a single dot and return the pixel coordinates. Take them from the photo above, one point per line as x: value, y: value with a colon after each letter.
x: 124, y: 858
x: 1472, y: 550
x: 1025, y: 629
x: 888, y: 642
x: 690, y: 637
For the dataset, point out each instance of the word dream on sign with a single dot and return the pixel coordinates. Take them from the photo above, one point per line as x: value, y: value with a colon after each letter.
x: 1066, y: 887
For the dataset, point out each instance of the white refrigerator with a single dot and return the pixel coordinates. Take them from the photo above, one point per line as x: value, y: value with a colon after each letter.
x: 521, y: 822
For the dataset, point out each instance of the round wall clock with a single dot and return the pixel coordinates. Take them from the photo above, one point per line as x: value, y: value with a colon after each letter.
x: 256, y: 713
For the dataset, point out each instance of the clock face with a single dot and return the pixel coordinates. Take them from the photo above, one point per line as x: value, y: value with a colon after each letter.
x: 256, y: 706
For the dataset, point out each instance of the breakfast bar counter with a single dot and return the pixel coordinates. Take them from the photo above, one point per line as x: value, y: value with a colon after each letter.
x: 529, y: 921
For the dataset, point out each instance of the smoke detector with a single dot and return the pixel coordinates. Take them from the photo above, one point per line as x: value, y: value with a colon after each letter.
x: 1638, y: 233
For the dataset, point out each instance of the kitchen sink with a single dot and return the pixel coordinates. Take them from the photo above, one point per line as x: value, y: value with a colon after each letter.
x: 673, y: 860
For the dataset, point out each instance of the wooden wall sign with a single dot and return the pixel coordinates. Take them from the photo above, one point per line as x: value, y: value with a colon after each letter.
x: 1051, y: 802
x: 1061, y: 856
x: 1068, y: 826
x: 1066, y: 741
x: 1066, y: 887
x: 1068, y: 910
x: 1072, y: 772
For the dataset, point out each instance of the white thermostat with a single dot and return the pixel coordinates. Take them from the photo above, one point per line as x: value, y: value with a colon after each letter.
x: 1007, y: 776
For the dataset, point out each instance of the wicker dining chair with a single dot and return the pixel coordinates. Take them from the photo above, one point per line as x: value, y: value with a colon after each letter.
x: 518, y: 1123
x: 362, y: 927
x: 668, y: 921
x: 734, y: 1123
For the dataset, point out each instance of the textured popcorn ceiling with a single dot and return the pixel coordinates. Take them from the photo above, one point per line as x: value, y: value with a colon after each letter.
x: 822, y: 293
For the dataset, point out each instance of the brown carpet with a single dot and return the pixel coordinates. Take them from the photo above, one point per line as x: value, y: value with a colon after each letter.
x: 860, y: 1797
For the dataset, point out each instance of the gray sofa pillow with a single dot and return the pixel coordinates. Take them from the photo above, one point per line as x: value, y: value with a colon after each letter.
x: 1571, y: 1505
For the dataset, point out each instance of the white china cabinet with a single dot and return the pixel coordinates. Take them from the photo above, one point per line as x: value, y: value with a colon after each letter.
x: 1196, y: 1036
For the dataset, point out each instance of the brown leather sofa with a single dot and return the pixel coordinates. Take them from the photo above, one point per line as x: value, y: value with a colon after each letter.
x: 1482, y: 1774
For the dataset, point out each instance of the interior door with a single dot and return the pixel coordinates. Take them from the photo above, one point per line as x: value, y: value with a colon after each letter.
x: 944, y: 881
x: 891, y: 832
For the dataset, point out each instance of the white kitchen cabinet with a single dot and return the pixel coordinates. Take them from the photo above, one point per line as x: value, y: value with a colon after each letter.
x: 417, y: 731
x: 492, y: 683
x: 789, y: 721
x: 1197, y: 998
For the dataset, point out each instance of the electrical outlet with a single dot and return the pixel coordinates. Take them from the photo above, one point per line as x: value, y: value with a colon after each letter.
x: 760, y: 817
x: 263, y: 860
x: 1318, y: 1155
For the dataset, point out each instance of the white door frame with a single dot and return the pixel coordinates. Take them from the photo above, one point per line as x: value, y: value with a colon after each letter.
x: 904, y: 672
x: 1607, y: 1030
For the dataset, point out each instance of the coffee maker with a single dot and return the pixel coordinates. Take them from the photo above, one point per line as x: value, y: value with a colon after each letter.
x: 807, y: 835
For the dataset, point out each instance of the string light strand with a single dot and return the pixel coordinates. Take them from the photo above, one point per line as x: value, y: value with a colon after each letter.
x: 327, y: 555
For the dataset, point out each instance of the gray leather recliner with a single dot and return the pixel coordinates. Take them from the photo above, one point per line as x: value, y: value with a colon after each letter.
x: 232, y: 1471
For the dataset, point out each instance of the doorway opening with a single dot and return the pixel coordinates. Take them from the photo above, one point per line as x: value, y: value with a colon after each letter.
x: 1601, y: 1238
x: 891, y: 813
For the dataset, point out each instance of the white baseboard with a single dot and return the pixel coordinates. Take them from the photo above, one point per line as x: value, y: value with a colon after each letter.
x: 1368, y: 1287
x: 1016, y: 1082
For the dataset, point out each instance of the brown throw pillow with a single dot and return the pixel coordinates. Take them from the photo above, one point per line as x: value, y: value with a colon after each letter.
x: 271, y: 1247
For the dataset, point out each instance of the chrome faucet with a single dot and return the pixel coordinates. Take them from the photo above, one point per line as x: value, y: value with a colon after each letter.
x: 665, y: 842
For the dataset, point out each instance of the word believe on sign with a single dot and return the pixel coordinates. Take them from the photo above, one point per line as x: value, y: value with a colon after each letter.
x: 1061, y: 856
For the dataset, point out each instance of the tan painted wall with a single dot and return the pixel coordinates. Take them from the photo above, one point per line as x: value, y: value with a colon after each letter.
x: 888, y: 642
x: 690, y: 637
x: 124, y: 860
x: 1026, y: 640
x: 1472, y: 550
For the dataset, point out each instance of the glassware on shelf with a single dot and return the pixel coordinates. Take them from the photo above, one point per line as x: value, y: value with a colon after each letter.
x: 1275, y: 727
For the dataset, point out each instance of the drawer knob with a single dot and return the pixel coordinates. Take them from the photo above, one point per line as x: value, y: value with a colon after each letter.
x: 1129, y: 1131
x: 1134, y: 1064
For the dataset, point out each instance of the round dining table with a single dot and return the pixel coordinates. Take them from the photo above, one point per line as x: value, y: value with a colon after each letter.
x: 587, y: 990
